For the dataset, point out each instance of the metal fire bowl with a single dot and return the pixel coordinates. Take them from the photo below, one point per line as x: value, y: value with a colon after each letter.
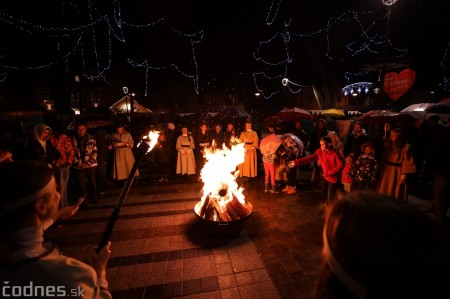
x: 222, y: 228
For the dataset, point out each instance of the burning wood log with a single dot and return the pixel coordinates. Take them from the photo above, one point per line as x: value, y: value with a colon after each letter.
x: 240, y: 209
x: 209, y: 212
x: 204, y: 206
x: 223, y: 215
x: 223, y: 210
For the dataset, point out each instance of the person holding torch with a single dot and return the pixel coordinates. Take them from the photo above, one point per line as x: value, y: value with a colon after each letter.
x: 28, y: 206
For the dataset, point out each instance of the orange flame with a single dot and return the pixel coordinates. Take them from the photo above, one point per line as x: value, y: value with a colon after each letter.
x: 219, y: 174
x: 153, y: 139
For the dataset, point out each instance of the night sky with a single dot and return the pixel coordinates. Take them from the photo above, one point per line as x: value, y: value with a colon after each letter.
x: 34, y: 51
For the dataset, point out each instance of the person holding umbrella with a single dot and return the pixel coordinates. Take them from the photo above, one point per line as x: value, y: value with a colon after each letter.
x: 292, y: 148
x: 268, y: 147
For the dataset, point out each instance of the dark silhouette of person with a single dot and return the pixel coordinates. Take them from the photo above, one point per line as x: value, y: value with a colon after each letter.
x: 376, y: 247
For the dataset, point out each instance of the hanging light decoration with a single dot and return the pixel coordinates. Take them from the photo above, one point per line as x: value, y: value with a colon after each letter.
x: 357, y: 88
x: 389, y: 2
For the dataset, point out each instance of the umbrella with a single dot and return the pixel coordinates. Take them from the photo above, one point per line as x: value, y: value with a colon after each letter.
x: 386, y: 116
x: 418, y: 107
x: 418, y: 110
x: 333, y: 112
x: 270, y: 144
x: 294, y: 114
x: 441, y: 107
x: 90, y: 123
x: 234, y: 111
x: 292, y: 144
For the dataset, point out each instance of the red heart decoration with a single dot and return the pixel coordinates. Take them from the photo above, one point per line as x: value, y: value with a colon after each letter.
x: 395, y: 85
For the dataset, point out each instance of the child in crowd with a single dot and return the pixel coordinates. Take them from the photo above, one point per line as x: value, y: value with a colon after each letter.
x: 366, y: 168
x: 268, y: 157
x: 347, y: 173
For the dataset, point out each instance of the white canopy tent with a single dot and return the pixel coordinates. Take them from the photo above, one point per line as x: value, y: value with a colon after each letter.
x: 124, y: 106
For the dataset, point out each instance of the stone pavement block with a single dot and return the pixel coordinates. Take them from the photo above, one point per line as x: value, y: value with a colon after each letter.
x: 207, y: 295
x: 261, y: 290
x: 210, y: 284
x: 227, y: 281
x: 243, y: 278
x: 174, y: 276
x: 146, y: 279
x: 192, y: 287
x: 221, y: 256
x: 170, y: 290
x: 199, y: 267
x: 119, y: 283
x: 152, y: 292
x: 260, y: 275
x: 230, y: 293
x: 136, y: 293
x: 224, y: 268
x: 155, y: 268
x: 245, y: 260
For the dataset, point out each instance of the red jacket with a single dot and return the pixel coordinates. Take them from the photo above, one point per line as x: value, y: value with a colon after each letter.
x: 330, y: 161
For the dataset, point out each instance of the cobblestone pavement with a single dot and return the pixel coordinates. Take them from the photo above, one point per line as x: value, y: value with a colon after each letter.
x: 161, y: 250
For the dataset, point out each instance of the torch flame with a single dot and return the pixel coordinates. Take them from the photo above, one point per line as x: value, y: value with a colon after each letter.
x: 153, y: 136
x: 151, y: 139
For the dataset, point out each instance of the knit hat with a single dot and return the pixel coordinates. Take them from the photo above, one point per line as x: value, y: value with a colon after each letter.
x: 364, y: 145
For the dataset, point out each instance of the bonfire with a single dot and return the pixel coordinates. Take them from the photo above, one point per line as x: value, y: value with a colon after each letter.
x: 222, y: 200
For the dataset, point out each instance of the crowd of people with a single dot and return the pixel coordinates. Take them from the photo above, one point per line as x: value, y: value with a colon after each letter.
x: 372, y: 171
x: 378, y: 158
x: 76, y: 158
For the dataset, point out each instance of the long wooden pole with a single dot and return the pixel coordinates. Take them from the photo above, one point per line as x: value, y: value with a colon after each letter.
x: 142, y: 150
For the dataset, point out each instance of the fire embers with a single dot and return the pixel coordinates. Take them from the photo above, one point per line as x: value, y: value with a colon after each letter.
x: 223, y: 208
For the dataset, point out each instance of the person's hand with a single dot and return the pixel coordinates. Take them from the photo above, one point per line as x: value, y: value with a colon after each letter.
x: 403, y: 179
x: 291, y: 164
x: 67, y: 212
x: 100, y: 260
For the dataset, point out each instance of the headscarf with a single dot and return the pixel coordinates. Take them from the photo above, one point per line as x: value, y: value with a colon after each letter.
x: 37, y: 132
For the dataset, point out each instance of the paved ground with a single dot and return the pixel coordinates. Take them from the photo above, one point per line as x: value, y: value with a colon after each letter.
x: 160, y: 248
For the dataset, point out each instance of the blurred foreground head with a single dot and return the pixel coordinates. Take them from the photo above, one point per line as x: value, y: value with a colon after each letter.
x: 375, y: 247
x: 23, y: 184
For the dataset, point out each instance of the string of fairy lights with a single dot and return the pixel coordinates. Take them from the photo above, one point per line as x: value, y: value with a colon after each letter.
x: 86, y: 34
x: 96, y: 59
x: 365, y: 41
x: 444, y: 62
